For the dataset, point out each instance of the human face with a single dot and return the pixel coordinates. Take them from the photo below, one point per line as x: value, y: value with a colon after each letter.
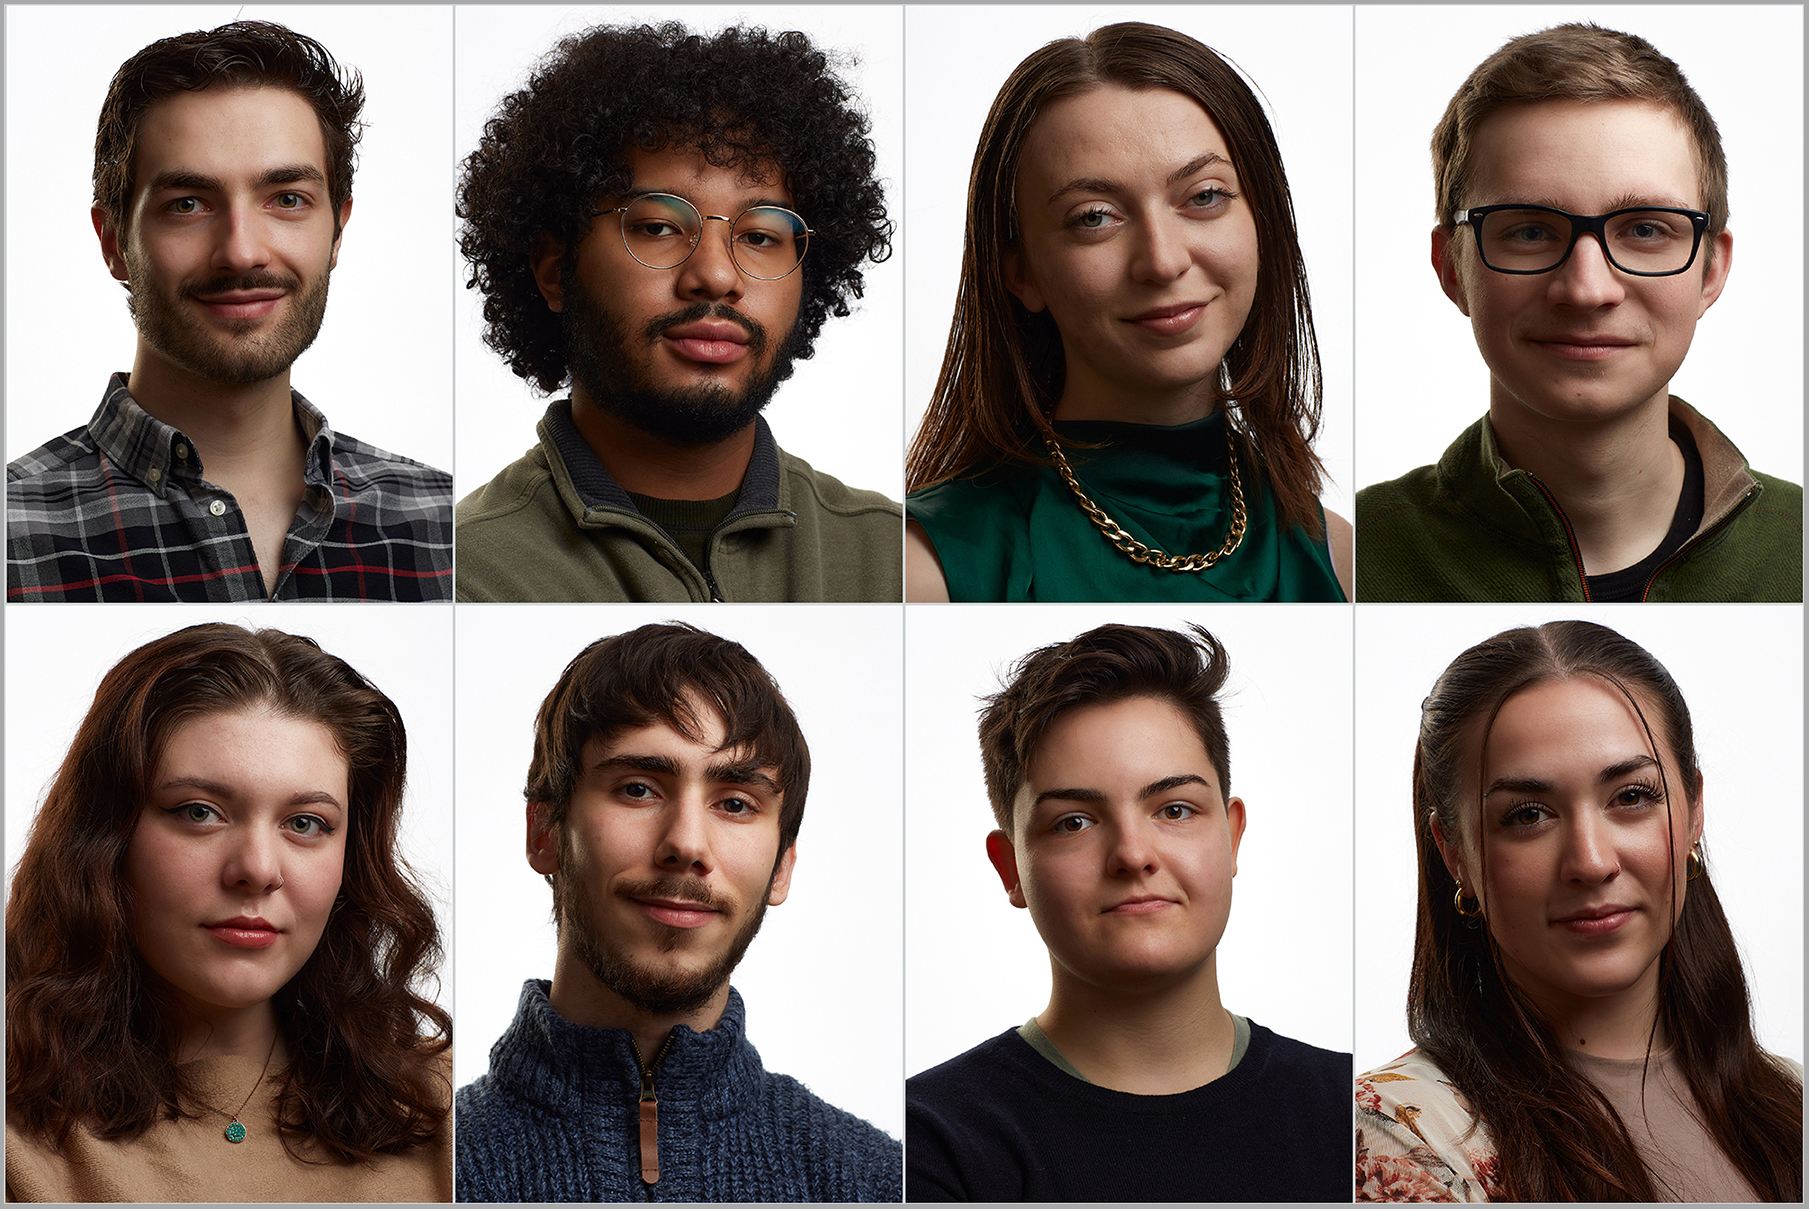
x: 665, y: 864
x: 1123, y: 846
x: 1138, y: 240
x: 1585, y: 342
x: 237, y: 857
x: 230, y: 238
x: 1576, y: 855
x: 691, y: 353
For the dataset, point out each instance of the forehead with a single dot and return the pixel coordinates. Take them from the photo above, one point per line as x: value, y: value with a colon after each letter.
x: 1118, y: 131
x: 1118, y: 746
x: 686, y: 172
x: 1584, y: 156
x: 227, y: 133
x: 1560, y: 729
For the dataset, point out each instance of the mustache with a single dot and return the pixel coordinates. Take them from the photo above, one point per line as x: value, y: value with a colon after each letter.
x: 260, y: 279
x: 756, y: 332
x: 686, y: 889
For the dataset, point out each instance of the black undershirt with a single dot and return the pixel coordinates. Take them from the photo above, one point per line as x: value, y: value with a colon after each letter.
x: 1629, y: 584
x: 688, y: 522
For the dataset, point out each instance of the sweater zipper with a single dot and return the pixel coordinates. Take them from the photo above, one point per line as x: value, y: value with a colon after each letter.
x: 650, y: 1111
x: 1569, y: 534
x: 1736, y: 510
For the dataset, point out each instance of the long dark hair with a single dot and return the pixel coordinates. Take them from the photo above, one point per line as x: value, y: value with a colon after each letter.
x: 88, y: 1040
x: 1004, y: 368
x: 1557, y: 1137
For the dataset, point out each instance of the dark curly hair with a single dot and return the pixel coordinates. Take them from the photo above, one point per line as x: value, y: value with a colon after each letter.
x: 244, y: 54
x: 741, y: 97
x: 90, y: 1039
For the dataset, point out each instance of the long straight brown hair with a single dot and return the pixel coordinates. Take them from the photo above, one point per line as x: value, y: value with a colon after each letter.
x: 90, y: 1037
x: 1003, y: 371
x: 1557, y: 1137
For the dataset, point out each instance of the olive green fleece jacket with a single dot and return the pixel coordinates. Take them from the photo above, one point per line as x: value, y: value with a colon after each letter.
x: 553, y: 526
x: 1474, y: 528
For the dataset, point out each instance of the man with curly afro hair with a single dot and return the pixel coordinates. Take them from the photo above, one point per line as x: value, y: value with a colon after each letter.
x: 662, y: 220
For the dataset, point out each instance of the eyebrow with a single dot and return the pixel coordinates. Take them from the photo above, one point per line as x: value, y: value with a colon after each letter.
x: 1613, y: 772
x: 1094, y: 796
x: 315, y: 797
x: 1626, y: 201
x: 739, y: 772
x: 282, y: 174
x: 784, y: 203
x: 1097, y: 184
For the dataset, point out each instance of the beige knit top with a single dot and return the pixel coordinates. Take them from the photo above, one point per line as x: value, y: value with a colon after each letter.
x: 191, y: 1160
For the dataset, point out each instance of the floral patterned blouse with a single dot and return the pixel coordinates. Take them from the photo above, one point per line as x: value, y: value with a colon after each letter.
x: 1418, y: 1140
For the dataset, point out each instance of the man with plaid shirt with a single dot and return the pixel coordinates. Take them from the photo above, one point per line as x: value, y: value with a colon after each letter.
x: 222, y: 180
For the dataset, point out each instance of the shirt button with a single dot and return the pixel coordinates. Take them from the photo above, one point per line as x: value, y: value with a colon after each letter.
x: 181, y: 451
x: 154, y: 475
x: 218, y: 508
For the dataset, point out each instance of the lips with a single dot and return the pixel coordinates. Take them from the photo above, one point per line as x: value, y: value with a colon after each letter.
x: 1583, y: 346
x: 709, y: 341
x: 1169, y: 320
x: 676, y: 912
x: 241, y: 304
x: 1141, y: 904
x: 1596, y: 921
x: 245, y: 932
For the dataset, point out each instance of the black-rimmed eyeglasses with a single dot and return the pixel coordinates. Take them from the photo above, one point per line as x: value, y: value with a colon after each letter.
x: 1644, y: 241
x: 661, y: 230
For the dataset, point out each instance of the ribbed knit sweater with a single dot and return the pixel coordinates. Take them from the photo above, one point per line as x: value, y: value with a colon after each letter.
x: 557, y: 1118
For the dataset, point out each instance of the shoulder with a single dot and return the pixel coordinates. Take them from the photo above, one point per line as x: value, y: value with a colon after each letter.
x: 970, y: 1121
x: 849, y: 1159
x: 1382, y: 502
x: 955, y: 1080
x: 57, y: 457
x: 1781, y: 495
x: 1298, y: 1059
x: 1418, y: 1138
x: 353, y: 457
x: 831, y: 494
x: 526, y: 483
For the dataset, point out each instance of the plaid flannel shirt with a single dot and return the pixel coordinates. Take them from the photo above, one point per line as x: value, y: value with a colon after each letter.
x: 119, y: 510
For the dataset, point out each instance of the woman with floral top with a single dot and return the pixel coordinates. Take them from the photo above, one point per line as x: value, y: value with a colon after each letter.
x: 1582, y: 1020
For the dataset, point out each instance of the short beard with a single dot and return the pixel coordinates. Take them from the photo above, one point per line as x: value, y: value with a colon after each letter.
x: 598, y: 351
x: 659, y: 992
x: 181, y: 340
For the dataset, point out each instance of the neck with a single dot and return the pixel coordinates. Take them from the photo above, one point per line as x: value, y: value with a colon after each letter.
x: 1156, y: 1041
x: 648, y: 465
x: 580, y: 997
x: 228, y: 423
x: 1617, y: 480
x: 239, y: 1033
x: 1088, y: 397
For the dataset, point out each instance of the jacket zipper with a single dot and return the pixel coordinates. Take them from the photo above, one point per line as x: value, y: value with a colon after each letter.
x: 650, y: 1111
x: 1570, y: 534
x: 1736, y: 510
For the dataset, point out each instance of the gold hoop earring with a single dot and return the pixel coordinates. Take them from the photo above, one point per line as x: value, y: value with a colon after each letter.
x: 1457, y: 900
x: 1692, y: 864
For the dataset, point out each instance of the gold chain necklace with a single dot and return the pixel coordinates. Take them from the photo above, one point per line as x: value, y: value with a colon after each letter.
x: 1139, y: 552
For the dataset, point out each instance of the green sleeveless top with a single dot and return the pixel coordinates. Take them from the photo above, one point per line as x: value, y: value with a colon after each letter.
x: 1015, y: 532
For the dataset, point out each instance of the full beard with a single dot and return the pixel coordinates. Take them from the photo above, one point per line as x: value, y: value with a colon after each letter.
x: 238, y: 358
x: 598, y: 351
x: 658, y: 990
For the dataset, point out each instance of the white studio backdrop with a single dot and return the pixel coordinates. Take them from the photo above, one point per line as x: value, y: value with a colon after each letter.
x: 823, y: 981
x: 1740, y: 670
x: 1298, y: 57
x: 1420, y: 379
x: 840, y: 411
x: 976, y: 965
x: 382, y: 367
x: 56, y: 656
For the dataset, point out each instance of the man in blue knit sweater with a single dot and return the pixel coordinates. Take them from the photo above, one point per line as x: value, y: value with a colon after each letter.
x: 664, y: 799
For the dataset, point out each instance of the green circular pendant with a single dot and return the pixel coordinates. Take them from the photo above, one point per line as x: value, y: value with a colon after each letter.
x: 235, y: 1132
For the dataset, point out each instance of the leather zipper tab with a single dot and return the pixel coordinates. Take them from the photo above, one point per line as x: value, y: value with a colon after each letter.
x: 650, y: 1141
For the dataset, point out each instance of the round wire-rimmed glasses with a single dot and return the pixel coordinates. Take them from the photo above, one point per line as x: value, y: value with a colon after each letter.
x: 661, y: 230
x: 1642, y: 241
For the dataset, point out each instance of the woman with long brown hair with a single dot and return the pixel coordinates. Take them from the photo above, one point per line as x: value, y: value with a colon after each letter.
x: 1131, y: 388
x: 1582, y: 1021
x: 212, y: 943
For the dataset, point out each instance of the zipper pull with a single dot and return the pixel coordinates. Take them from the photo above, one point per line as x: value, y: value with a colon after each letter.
x: 650, y: 1111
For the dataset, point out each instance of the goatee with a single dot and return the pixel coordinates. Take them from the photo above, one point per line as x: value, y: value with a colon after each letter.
x: 598, y: 350
x: 235, y: 356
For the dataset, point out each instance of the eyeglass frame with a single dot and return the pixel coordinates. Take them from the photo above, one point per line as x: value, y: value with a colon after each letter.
x: 1581, y: 225
x: 622, y: 226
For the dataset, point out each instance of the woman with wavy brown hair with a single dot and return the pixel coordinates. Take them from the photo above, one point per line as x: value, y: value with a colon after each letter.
x: 1582, y: 1021
x: 213, y: 945
x: 1131, y: 388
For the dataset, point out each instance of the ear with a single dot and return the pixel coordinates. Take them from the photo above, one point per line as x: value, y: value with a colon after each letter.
x: 1004, y: 859
x: 545, y: 260
x: 782, y: 877
x: 1444, y: 263
x: 109, y: 242
x: 1696, y: 813
x: 1019, y: 280
x: 1714, y: 280
x: 1234, y: 815
x: 543, y: 839
x: 1453, y: 857
x: 345, y: 216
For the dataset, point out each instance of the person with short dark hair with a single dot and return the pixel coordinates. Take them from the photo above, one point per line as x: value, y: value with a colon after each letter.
x: 1582, y: 227
x: 1108, y: 767
x: 664, y: 799
x: 664, y: 220
x: 222, y: 182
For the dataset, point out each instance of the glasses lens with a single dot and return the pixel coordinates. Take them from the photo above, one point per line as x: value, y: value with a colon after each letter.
x: 660, y: 230
x: 768, y: 242
x: 1639, y: 241
x: 1650, y: 241
x: 1524, y: 241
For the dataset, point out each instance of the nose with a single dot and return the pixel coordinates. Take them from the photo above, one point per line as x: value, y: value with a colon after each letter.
x: 254, y: 863
x: 1589, y: 855
x: 684, y: 840
x: 1133, y: 851
x: 1586, y: 280
x: 242, y: 244
x: 1162, y: 253
x: 710, y: 273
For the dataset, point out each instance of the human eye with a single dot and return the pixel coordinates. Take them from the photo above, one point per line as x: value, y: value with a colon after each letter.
x: 184, y: 205
x: 1071, y: 824
x: 1524, y: 815
x: 1212, y: 198
x: 637, y: 791
x: 739, y: 807
x: 1638, y: 795
x: 290, y: 201
x: 1648, y: 228
x: 1175, y: 812
x: 308, y: 826
x: 1093, y: 218
x: 193, y: 812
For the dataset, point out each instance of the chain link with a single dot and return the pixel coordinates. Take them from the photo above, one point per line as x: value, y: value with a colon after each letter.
x: 1141, y: 553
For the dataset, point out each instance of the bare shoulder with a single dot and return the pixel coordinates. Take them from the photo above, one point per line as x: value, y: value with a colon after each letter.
x: 924, y: 581
x: 1341, y: 539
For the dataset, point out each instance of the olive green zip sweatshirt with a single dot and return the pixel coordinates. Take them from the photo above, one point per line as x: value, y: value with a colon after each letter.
x: 553, y: 526
x: 1473, y: 528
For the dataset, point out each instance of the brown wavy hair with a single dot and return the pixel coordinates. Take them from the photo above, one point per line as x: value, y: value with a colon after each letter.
x: 1003, y: 371
x: 90, y: 1034
x: 1558, y: 1138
